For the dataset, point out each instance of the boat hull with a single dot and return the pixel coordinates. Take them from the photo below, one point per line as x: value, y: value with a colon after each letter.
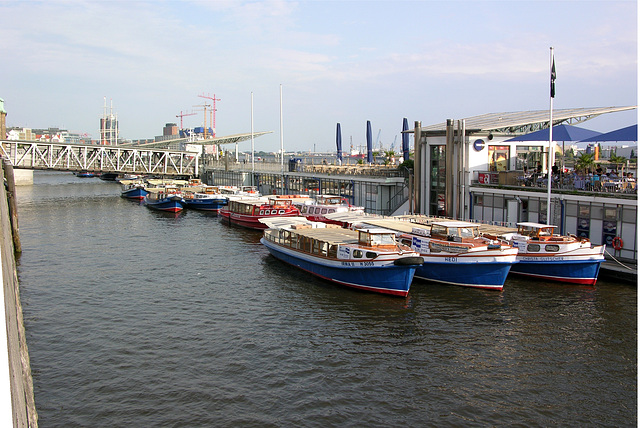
x: 207, y: 204
x: 475, y: 274
x: 583, y: 272
x: 137, y: 193
x: 386, y: 279
x: 172, y: 204
x: 250, y: 221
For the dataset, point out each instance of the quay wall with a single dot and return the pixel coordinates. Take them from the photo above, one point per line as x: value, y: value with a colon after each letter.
x: 17, y: 404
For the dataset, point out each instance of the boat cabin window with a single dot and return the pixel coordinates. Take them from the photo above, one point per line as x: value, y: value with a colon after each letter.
x: 357, y: 254
x: 373, y: 239
x: 533, y: 248
x: 437, y: 229
x: 324, y: 211
x: 371, y: 255
x: 333, y: 251
x: 468, y: 232
x: 552, y: 248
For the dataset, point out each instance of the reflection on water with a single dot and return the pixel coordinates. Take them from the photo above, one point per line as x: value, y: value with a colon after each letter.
x: 137, y: 318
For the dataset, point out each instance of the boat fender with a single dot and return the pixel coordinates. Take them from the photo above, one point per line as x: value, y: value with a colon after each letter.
x: 409, y: 261
x: 617, y: 243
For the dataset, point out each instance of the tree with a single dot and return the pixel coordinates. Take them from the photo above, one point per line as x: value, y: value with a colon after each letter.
x: 617, y: 160
x: 585, y: 162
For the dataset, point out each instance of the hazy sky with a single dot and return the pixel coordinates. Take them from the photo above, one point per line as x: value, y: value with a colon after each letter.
x: 337, y: 61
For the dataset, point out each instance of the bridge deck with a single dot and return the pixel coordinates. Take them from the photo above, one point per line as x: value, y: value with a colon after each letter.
x: 98, y: 158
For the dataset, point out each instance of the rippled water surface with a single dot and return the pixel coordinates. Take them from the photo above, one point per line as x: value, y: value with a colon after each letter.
x: 138, y: 318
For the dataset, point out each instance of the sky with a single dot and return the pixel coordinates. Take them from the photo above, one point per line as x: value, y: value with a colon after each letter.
x: 329, y: 61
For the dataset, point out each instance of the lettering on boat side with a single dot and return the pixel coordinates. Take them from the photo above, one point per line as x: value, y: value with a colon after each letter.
x: 451, y: 259
x: 542, y: 259
x: 357, y: 263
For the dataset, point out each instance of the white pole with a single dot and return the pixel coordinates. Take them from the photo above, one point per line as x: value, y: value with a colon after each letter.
x: 551, y: 152
x: 253, y: 166
x: 281, y: 136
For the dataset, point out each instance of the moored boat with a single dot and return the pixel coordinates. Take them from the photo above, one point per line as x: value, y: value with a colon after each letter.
x: 317, y: 208
x: 133, y: 189
x: 164, y: 199
x: 205, y: 198
x: 545, y: 255
x: 248, y: 212
x: 367, y: 259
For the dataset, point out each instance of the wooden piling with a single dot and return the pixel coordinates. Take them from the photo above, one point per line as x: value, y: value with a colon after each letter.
x: 13, y: 205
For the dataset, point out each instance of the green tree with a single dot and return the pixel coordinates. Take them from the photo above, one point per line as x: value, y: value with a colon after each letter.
x: 617, y: 160
x: 585, y: 162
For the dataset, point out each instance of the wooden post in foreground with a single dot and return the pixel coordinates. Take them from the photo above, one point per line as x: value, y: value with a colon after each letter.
x: 13, y: 206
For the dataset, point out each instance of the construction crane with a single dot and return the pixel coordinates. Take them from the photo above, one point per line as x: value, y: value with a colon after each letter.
x: 205, y: 105
x: 181, y: 115
x: 213, y: 111
x: 378, y: 140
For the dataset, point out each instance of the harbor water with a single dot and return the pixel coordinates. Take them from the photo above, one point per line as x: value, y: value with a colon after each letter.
x: 138, y: 318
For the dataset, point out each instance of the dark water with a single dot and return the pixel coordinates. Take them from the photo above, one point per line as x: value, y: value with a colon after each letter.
x: 139, y: 319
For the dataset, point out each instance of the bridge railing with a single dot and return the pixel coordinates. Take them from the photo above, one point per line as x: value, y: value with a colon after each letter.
x: 98, y: 158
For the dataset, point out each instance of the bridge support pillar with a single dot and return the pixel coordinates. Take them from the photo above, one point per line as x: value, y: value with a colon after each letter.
x: 23, y: 177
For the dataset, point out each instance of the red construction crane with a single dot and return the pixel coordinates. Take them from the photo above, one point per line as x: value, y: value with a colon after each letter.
x: 213, y: 110
x: 181, y: 115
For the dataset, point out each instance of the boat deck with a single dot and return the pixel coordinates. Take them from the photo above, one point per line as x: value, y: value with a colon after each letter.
x: 331, y: 235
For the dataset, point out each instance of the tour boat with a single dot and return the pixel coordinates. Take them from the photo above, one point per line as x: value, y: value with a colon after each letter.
x: 165, y: 198
x: 367, y: 259
x: 248, y: 212
x: 133, y: 189
x: 316, y: 209
x: 545, y: 255
x: 205, y: 198
x: 454, y: 252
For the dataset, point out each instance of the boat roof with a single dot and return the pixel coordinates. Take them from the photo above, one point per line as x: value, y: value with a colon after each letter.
x: 535, y: 225
x: 455, y: 223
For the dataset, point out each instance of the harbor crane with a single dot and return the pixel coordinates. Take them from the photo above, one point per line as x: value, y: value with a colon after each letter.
x: 213, y: 111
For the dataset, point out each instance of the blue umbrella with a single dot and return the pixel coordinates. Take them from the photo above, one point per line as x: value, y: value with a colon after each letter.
x: 339, y: 142
x: 560, y: 133
x: 405, y: 139
x: 369, y: 143
x: 628, y: 134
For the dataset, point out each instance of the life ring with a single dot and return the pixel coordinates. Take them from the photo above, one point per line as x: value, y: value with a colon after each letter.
x: 617, y: 243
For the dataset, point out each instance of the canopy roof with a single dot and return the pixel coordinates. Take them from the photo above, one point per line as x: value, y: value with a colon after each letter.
x: 630, y: 133
x: 560, y: 133
x: 521, y: 122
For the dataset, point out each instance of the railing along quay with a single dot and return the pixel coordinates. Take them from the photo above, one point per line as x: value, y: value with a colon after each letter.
x: 98, y: 158
x: 353, y: 169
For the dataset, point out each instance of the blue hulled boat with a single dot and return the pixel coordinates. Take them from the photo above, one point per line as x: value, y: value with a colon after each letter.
x: 366, y: 259
x: 164, y: 199
x: 545, y: 255
x: 133, y: 189
x: 206, y: 198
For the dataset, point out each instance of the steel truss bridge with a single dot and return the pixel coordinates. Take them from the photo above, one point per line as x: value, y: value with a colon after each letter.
x: 99, y: 158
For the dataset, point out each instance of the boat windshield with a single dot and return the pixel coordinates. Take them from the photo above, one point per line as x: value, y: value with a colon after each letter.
x: 373, y: 239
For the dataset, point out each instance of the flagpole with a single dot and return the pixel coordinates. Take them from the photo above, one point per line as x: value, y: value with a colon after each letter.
x: 551, y: 151
x: 253, y: 165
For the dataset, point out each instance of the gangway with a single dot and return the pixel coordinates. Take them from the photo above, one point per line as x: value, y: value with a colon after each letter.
x: 98, y: 158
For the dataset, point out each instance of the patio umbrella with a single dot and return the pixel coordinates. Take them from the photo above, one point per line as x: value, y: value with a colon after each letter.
x: 628, y: 134
x: 405, y: 139
x: 369, y: 143
x: 560, y: 133
x: 339, y: 143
